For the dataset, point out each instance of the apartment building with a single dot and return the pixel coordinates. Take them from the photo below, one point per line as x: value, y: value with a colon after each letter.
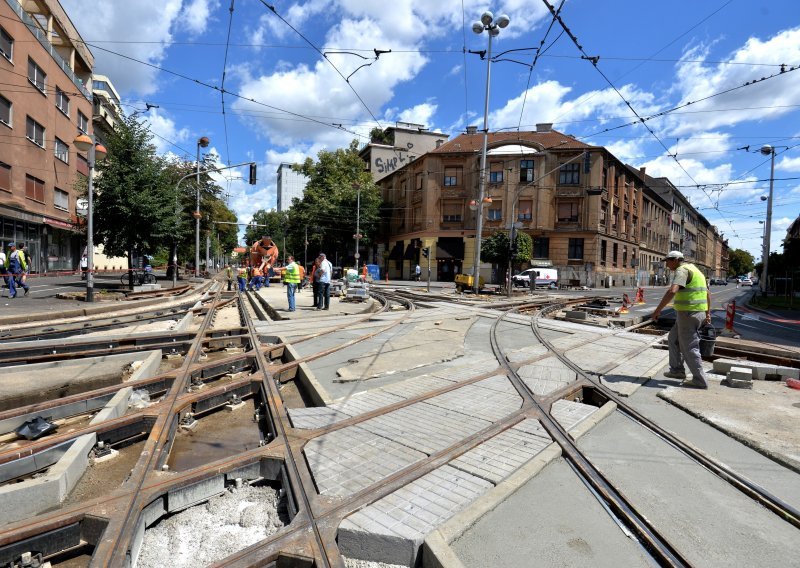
x: 398, y: 146
x: 106, y: 107
x: 45, y: 101
x: 580, y: 205
x: 291, y: 184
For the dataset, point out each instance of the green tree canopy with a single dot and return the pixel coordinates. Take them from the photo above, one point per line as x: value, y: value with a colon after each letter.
x: 329, y: 204
x: 739, y: 262
x: 495, y: 249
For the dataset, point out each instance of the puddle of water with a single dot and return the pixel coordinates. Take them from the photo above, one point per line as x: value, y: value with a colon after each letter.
x: 217, y: 435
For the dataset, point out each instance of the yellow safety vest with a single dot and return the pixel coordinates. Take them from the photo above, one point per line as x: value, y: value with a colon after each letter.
x: 692, y: 297
x: 291, y: 275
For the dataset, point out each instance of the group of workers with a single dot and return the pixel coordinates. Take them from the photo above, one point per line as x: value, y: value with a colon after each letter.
x: 14, y: 268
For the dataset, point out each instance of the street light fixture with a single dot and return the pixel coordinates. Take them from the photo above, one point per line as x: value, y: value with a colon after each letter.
x: 768, y: 150
x: 488, y: 24
x: 87, y: 143
x: 202, y: 142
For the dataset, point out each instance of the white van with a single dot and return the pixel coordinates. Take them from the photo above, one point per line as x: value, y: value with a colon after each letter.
x: 543, y: 277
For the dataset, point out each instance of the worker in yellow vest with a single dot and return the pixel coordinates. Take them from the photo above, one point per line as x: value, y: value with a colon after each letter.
x: 241, y: 277
x: 692, y: 304
x: 229, y: 275
x: 291, y: 277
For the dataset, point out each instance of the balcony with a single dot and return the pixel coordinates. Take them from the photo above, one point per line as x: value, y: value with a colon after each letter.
x: 570, y: 192
x: 42, y: 37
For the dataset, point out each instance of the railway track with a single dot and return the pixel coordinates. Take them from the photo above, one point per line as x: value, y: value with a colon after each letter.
x: 226, y: 356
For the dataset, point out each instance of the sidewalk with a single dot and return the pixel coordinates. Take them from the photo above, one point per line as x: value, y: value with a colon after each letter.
x: 275, y: 295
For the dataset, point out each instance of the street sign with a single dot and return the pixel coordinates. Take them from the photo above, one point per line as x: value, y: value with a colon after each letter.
x: 358, y: 236
x: 357, y: 256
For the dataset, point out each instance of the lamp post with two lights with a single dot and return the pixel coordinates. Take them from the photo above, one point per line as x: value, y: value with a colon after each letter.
x: 94, y: 151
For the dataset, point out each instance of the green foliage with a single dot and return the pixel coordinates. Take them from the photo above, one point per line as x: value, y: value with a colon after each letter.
x: 495, y: 249
x: 328, y: 208
x: 739, y: 262
x: 276, y: 224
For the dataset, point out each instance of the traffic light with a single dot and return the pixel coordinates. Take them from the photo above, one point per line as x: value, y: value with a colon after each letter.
x: 425, y: 252
x: 514, y: 248
x: 252, y: 173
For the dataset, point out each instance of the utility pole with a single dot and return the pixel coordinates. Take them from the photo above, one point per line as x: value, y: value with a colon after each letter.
x: 357, y: 236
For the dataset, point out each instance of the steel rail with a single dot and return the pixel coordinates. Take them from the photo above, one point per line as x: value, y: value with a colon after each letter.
x: 784, y: 510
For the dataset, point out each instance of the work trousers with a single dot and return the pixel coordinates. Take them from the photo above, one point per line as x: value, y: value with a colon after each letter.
x: 684, y: 344
x: 242, y: 283
x: 324, y: 296
x: 291, y: 288
x: 315, y: 292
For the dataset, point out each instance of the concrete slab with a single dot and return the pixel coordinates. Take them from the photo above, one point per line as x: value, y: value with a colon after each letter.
x: 393, y: 528
x: 764, y: 418
x: 315, y: 417
x: 474, y: 400
x: 526, y: 353
x: 761, y: 371
x: 115, y: 407
x: 348, y: 460
x: 546, y: 375
x: 569, y: 414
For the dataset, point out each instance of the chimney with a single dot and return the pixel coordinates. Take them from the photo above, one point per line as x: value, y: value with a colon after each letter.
x: 642, y: 172
x: 472, y: 129
x: 544, y: 127
x: 439, y: 143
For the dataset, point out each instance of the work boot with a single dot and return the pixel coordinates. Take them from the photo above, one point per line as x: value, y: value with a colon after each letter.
x: 694, y: 385
x: 27, y: 290
x: 675, y: 374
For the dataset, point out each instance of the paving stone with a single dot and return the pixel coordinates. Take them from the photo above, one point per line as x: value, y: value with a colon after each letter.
x: 392, y: 529
x: 500, y: 456
x: 546, y: 375
x: 480, y: 366
x: 348, y: 460
x: 425, y: 427
x: 526, y: 353
x: 498, y: 383
x: 487, y: 403
x: 569, y: 413
x: 315, y: 417
x: 531, y: 426
x: 760, y: 370
x: 364, y: 402
x: 740, y: 374
x: 417, y: 386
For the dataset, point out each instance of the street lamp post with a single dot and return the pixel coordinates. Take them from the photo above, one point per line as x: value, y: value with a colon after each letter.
x: 201, y: 142
x: 489, y: 24
x: 768, y: 150
x: 87, y: 143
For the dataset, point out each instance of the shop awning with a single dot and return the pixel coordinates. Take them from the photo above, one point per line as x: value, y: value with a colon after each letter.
x: 66, y: 225
x: 397, y: 251
x: 411, y: 252
x: 450, y: 247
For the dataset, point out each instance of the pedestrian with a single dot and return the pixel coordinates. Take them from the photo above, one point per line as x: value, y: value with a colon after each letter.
x: 326, y: 271
x: 16, y: 267
x: 364, y: 272
x: 84, y: 266
x: 417, y: 273
x: 229, y: 275
x: 3, y: 269
x: 692, y: 304
x: 291, y: 277
x: 23, y: 279
x: 241, y: 278
x: 315, y: 274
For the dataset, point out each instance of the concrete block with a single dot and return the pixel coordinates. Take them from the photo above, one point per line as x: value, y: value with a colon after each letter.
x: 178, y: 499
x: 115, y: 407
x: 149, y: 366
x: 737, y: 384
x: 73, y: 464
x: 789, y: 372
x: 740, y: 374
x: 576, y: 315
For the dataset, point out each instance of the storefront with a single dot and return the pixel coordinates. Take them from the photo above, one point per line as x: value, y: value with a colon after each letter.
x: 62, y: 245
x: 21, y: 228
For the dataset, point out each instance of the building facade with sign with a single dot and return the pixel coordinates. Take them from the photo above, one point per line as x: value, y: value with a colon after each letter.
x: 45, y: 102
x: 397, y: 146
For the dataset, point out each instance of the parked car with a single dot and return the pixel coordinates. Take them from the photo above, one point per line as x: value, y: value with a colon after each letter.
x: 717, y: 282
x: 543, y: 277
x: 745, y: 282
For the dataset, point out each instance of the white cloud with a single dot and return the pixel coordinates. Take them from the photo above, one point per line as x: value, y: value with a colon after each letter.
x: 167, y: 132
x: 419, y: 114
x: 126, y: 21
x: 788, y: 164
x: 195, y: 15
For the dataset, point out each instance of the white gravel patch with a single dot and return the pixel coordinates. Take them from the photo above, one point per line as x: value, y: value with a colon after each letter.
x: 206, y: 533
x: 353, y: 563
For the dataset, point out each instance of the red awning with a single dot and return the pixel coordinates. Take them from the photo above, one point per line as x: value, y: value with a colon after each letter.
x: 66, y: 225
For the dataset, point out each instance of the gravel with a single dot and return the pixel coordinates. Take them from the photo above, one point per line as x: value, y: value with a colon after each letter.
x: 209, y: 532
x: 353, y: 563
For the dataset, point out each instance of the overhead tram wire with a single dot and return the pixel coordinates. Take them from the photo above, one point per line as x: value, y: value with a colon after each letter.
x: 222, y: 84
x: 227, y: 91
x: 536, y: 58
x: 325, y: 57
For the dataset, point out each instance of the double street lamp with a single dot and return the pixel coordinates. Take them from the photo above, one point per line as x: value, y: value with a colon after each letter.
x: 87, y: 143
x: 202, y: 142
x: 768, y: 150
x: 492, y: 26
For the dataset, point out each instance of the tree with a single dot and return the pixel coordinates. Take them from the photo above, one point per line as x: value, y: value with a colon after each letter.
x: 495, y: 249
x: 328, y: 207
x: 276, y: 224
x: 739, y: 262
x: 134, y: 207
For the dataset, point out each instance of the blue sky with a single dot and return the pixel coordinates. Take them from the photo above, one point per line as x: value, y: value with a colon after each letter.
x: 657, y: 55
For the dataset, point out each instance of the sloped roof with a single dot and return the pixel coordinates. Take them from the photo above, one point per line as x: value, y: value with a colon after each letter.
x: 470, y: 143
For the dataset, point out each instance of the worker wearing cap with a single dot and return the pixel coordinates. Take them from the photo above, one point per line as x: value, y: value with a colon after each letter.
x: 692, y: 304
x: 16, y: 266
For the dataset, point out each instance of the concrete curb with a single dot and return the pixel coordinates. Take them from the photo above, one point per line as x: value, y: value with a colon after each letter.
x: 436, y: 550
x: 149, y: 366
x: 115, y: 407
x: 306, y: 377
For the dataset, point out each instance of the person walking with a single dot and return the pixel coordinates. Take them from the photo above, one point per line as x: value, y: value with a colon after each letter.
x: 417, y: 273
x: 692, y: 304
x: 229, y: 275
x: 315, y: 274
x: 326, y: 271
x: 3, y: 269
x: 16, y: 266
x: 291, y: 276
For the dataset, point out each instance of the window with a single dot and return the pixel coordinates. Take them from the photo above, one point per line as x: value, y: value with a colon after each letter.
x: 5, y: 176
x: 60, y: 199
x: 451, y: 176
x: 496, y: 172
x: 5, y: 111
x: 35, y: 132
x: 614, y: 251
x: 34, y: 188
x: 603, y: 252
x: 419, y: 181
x: 495, y: 211
x: 6, y: 44
x: 567, y: 212
x: 451, y: 212
x: 575, y: 250
x: 83, y: 165
x: 83, y: 123
x: 569, y: 174
x: 624, y: 222
x: 541, y: 247
x: 603, y: 214
x: 624, y: 256
x: 62, y: 151
x: 62, y: 101
x: 525, y: 208
x: 526, y: 170
x: 36, y: 75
